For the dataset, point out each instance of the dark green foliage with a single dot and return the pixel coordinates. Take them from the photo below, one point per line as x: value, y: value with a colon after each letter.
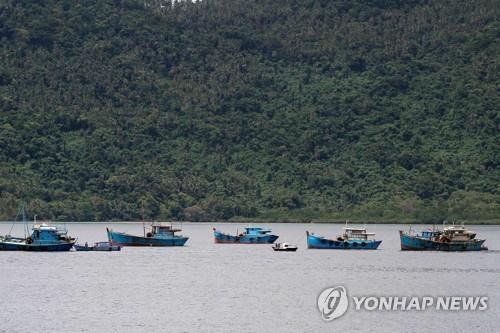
x: 220, y: 109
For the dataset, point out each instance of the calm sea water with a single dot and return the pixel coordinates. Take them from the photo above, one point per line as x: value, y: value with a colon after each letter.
x: 207, y: 287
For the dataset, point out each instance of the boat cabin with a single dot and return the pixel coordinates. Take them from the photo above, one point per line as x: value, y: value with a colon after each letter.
x: 160, y: 229
x: 45, y: 232
x: 428, y: 234
x: 357, y: 233
x: 256, y: 231
x: 458, y: 233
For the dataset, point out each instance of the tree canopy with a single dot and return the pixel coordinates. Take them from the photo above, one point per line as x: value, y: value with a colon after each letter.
x: 250, y: 109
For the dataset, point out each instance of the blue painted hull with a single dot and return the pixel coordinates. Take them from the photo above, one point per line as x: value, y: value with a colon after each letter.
x: 414, y: 243
x: 10, y: 246
x: 123, y: 239
x: 315, y: 242
x: 244, y: 239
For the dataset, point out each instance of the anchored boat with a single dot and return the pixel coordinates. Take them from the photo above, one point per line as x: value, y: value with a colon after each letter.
x: 98, y: 246
x: 285, y: 247
x: 352, y: 238
x: 160, y: 235
x: 44, y: 237
x: 451, y: 238
x: 251, y: 235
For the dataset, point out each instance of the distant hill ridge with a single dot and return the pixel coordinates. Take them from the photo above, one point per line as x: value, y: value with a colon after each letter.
x: 266, y: 110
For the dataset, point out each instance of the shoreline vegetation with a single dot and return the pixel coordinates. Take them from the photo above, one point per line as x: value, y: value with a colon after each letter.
x: 258, y: 221
x: 311, y: 110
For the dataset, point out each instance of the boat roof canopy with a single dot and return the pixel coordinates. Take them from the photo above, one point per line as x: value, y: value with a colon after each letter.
x: 354, y: 229
x: 162, y: 225
x: 455, y: 227
x: 259, y: 230
x: 44, y: 226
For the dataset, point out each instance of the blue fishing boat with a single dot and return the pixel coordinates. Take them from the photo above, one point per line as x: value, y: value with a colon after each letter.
x: 451, y: 238
x: 160, y: 235
x: 351, y: 239
x: 251, y: 235
x: 44, y: 237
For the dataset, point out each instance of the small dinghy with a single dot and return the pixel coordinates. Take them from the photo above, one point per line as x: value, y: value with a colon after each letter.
x: 99, y: 246
x: 284, y: 247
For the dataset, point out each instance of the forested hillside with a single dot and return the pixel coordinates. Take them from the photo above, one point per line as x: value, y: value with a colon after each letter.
x: 232, y: 109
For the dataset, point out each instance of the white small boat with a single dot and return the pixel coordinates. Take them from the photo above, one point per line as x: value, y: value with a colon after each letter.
x: 284, y: 247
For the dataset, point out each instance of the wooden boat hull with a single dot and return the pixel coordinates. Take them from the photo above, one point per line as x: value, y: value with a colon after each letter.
x: 414, y: 243
x: 97, y: 248
x: 108, y: 248
x: 123, y: 239
x: 316, y: 242
x: 83, y: 248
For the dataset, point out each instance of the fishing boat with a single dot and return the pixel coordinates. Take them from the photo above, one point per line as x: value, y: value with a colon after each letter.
x: 98, y: 246
x: 160, y: 235
x: 450, y: 238
x: 251, y: 235
x: 44, y: 237
x: 351, y: 239
x: 285, y: 247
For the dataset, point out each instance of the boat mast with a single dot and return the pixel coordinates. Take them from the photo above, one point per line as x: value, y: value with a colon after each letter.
x: 25, y: 223
x: 142, y: 217
x: 21, y: 209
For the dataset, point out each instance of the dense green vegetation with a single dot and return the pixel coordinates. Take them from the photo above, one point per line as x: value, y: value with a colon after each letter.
x: 250, y: 109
